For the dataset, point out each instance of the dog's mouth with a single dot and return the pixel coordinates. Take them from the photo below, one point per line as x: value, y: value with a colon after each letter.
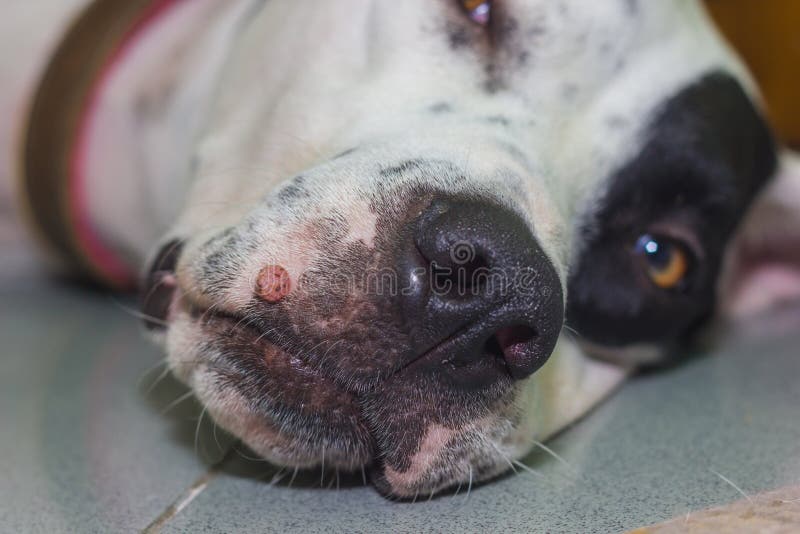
x: 259, y: 384
x: 475, y: 371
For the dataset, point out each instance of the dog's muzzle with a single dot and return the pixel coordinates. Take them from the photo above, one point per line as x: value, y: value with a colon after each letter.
x: 365, y: 357
x: 478, y: 299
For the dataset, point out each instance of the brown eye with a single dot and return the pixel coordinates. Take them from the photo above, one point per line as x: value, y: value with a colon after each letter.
x: 480, y: 11
x: 666, y: 262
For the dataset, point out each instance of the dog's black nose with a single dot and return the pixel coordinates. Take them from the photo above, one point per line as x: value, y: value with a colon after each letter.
x: 483, y: 300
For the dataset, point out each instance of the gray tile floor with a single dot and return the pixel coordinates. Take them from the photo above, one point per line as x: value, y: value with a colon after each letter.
x: 85, y: 445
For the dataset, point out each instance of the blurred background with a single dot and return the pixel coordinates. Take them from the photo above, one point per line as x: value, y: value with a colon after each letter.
x: 767, y: 35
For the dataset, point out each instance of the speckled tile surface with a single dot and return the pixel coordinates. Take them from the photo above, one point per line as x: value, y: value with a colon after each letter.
x: 84, y: 446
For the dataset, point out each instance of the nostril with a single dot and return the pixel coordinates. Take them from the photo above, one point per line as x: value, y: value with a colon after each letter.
x: 463, y: 278
x: 518, y: 347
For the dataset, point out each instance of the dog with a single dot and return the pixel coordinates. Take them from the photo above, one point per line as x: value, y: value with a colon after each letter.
x: 415, y: 237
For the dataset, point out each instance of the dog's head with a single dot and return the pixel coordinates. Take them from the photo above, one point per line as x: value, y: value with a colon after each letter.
x: 401, y: 210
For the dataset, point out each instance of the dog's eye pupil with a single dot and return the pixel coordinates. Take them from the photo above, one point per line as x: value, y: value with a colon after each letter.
x: 666, y: 262
x: 480, y: 11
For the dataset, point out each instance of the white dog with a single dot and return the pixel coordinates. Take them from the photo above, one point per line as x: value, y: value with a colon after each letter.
x: 414, y: 237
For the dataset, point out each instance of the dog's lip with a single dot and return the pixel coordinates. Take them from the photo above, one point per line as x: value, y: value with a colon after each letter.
x: 222, y: 323
x: 207, y: 316
x: 444, y: 354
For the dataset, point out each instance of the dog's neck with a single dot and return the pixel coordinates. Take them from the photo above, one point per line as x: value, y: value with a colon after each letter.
x: 144, y: 117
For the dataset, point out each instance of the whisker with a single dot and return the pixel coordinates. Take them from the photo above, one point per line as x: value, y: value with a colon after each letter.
x: 214, y: 433
x: 277, y: 477
x: 164, y: 374
x: 264, y: 334
x: 732, y: 484
x: 458, y: 489
x: 498, y: 451
x: 197, y: 432
x: 573, y: 332
x: 246, y: 457
x: 139, y: 314
x: 177, y: 401
x: 527, y: 469
x: 322, y: 467
x: 161, y: 362
x: 324, y: 356
x: 294, y: 475
x: 552, y: 453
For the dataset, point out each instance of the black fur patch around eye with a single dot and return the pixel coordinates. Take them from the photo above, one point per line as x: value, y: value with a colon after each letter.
x: 708, y: 153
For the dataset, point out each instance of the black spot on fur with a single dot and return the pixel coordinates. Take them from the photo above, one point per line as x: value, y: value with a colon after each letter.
x: 402, y: 168
x: 504, y: 28
x: 220, y: 255
x: 570, y: 91
x: 345, y: 153
x: 441, y: 108
x: 631, y: 7
x: 537, y: 30
x: 515, y: 152
x: 615, y: 122
x: 500, y: 120
x: 295, y: 190
x: 459, y: 37
x: 493, y: 82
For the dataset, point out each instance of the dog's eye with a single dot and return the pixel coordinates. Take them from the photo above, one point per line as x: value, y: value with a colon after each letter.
x: 480, y: 11
x: 666, y: 261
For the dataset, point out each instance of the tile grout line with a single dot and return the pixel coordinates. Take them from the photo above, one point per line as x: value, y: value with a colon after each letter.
x: 186, y: 498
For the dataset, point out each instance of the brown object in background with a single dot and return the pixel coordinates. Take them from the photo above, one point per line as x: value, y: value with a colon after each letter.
x: 767, y: 35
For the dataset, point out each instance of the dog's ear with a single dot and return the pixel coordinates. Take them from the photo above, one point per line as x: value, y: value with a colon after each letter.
x: 762, y: 267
